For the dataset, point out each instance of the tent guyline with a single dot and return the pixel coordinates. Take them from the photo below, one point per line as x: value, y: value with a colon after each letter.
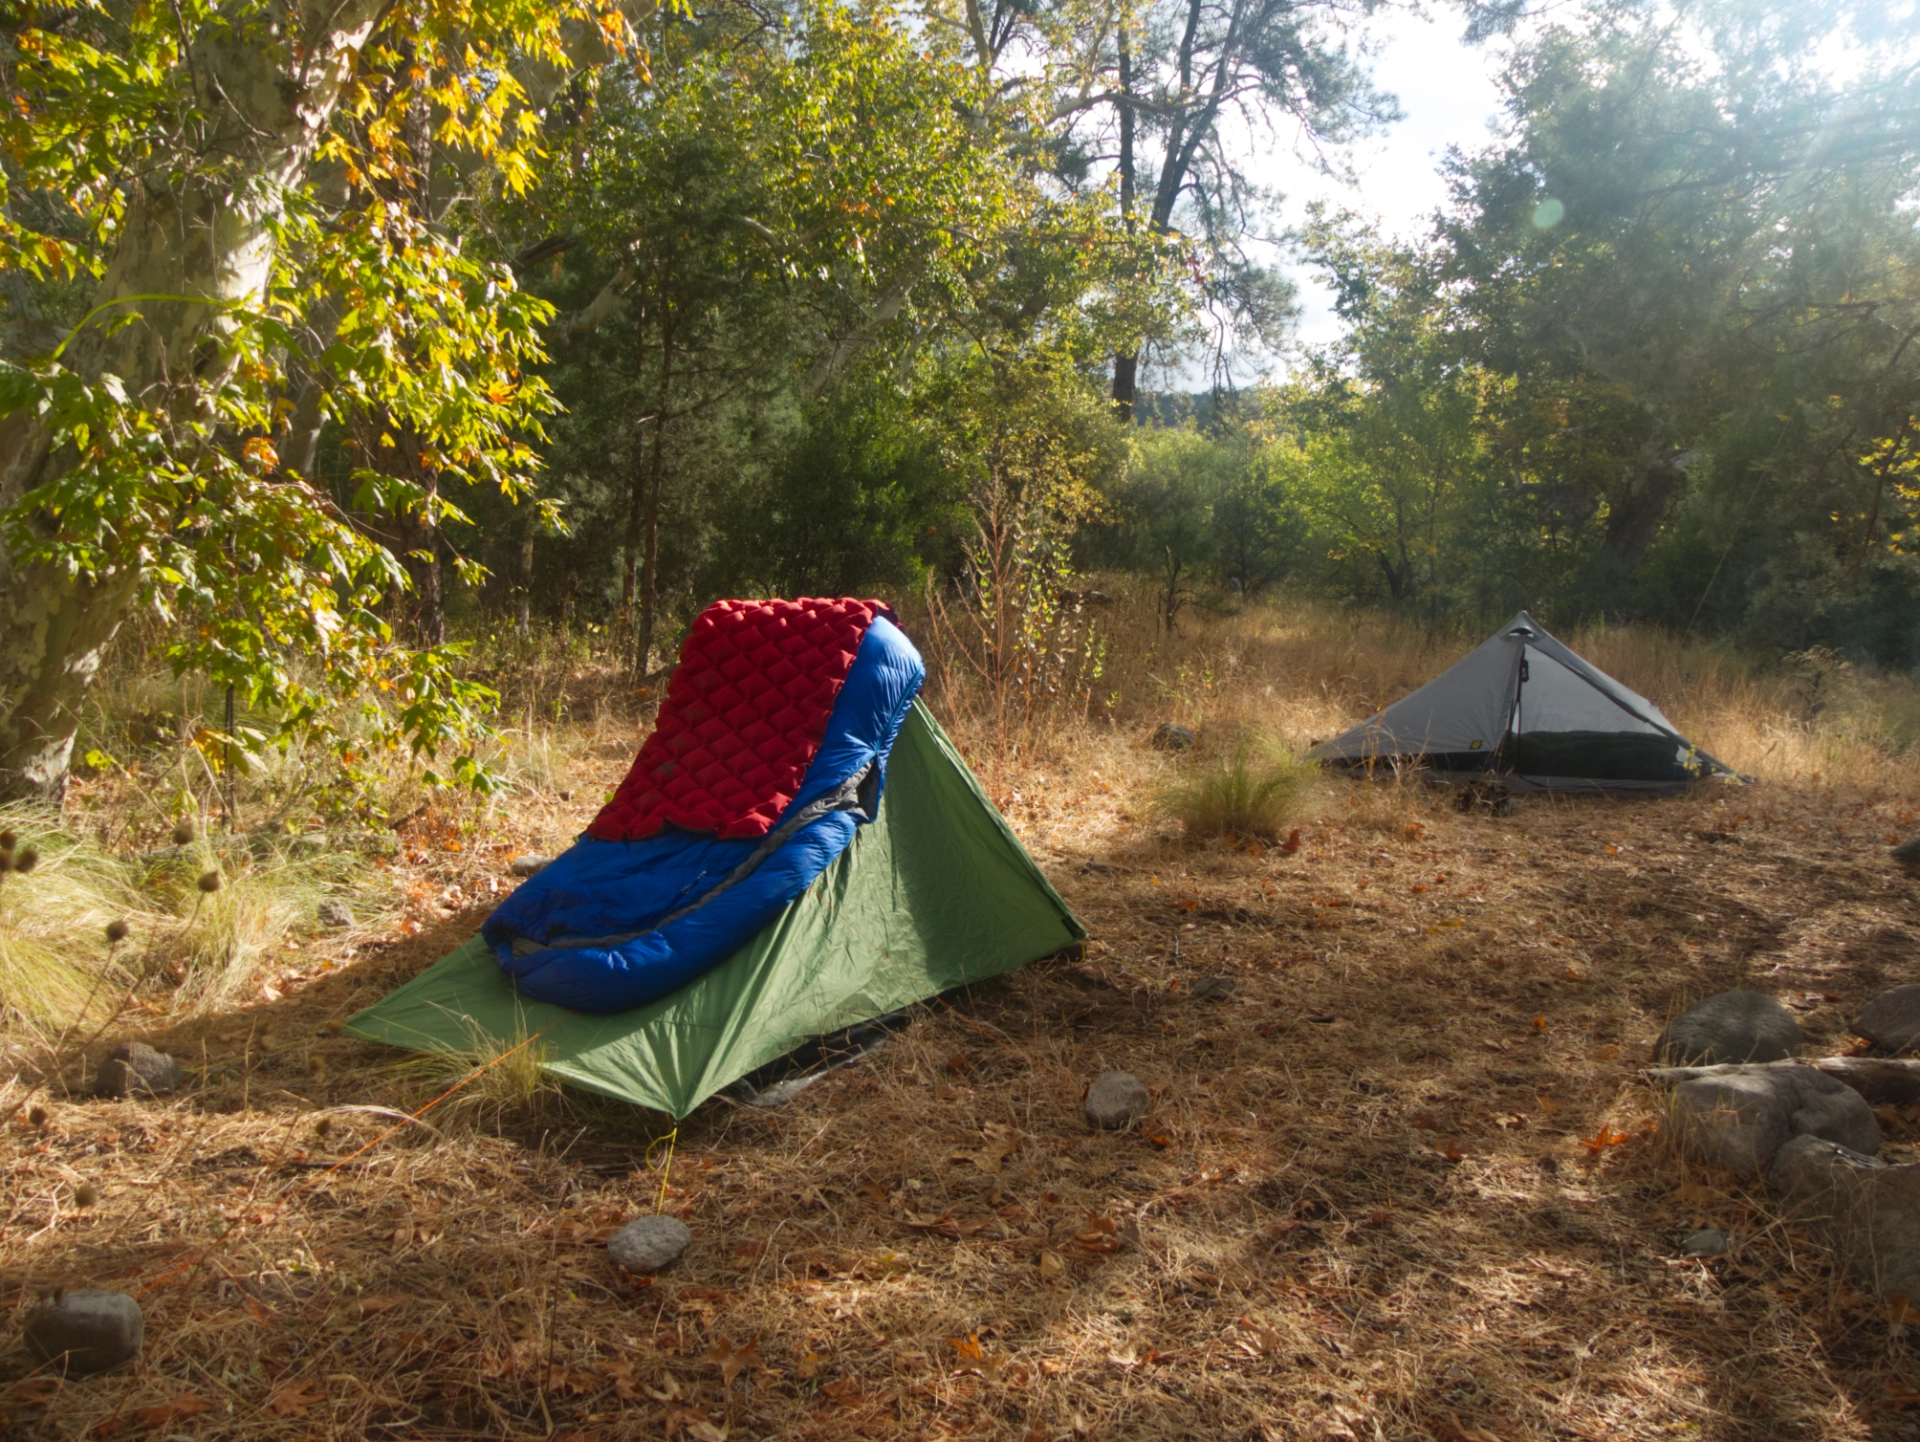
x: 1525, y: 710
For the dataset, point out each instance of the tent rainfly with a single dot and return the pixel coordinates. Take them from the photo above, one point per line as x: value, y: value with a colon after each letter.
x: 798, y: 849
x: 1523, y: 708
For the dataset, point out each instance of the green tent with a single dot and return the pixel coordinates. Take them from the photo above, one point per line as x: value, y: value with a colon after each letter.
x: 935, y: 893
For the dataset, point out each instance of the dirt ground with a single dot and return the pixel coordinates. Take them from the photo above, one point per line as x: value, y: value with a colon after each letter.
x: 1403, y: 1182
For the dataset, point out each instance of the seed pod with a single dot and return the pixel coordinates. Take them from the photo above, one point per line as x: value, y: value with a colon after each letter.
x: 117, y: 931
x: 7, y: 839
x: 333, y: 1026
x: 183, y: 832
x: 26, y: 861
x: 36, y: 1116
x: 209, y: 882
x: 86, y: 1194
x: 322, y: 1127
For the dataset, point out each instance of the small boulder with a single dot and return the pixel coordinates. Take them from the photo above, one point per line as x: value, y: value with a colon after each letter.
x: 1117, y: 1099
x: 1735, y: 1026
x: 1907, y: 853
x: 1866, y: 1210
x: 1738, y: 1117
x: 649, y: 1243
x: 135, y: 1069
x: 1170, y: 737
x: 524, y: 866
x: 85, y: 1331
x: 1213, y: 988
x: 335, y: 913
x: 1711, y: 1242
x: 1891, y: 1021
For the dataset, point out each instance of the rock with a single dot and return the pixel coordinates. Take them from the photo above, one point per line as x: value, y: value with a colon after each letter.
x: 1891, y: 1020
x: 1169, y: 737
x: 1735, y: 1026
x: 135, y: 1069
x: 335, y: 913
x: 1867, y: 1211
x: 649, y: 1243
x: 1738, y: 1117
x: 1907, y: 853
x: 91, y: 1329
x: 1213, y: 988
x: 1709, y: 1243
x: 1118, y: 1099
x: 528, y: 865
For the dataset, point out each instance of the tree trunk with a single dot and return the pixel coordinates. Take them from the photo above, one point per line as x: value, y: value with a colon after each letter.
x: 420, y: 552
x: 650, y: 568
x: 206, y: 241
x: 523, y: 616
x: 1125, y: 367
x: 1634, y: 514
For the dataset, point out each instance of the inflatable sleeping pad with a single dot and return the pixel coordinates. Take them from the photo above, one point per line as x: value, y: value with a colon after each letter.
x: 770, y: 749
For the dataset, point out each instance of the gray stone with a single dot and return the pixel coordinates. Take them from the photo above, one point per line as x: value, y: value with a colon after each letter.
x: 1169, y: 737
x: 1907, y: 853
x: 528, y: 865
x: 1735, y: 1026
x: 1117, y: 1099
x: 1891, y: 1020
x: 1738, y: 1117
x: 649, y: 1243
x: 1213, y: 988
x: 1867, y: 1211
x: 135, y: 1069
x: 335, y: 913
x: 85, y: 1331
x: 1709, y: 1243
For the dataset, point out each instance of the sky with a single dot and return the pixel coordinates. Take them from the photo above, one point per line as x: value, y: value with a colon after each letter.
x: 1448, y: 94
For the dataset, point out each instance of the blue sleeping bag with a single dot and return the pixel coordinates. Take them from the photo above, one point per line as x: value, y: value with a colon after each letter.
x: 612, y: 925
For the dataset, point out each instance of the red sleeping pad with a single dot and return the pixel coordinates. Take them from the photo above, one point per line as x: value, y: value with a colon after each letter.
x: 745, y: 712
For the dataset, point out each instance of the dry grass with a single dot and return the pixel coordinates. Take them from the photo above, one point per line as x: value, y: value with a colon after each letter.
x: 1402, y: 1184
x: 1251, y: 789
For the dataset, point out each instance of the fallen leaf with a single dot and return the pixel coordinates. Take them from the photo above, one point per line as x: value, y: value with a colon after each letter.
x: 293, y: 1399
x: 733, y: 1360
x: 1901, y: 1397
x: 1539, y: 1023
x: 187, y: 1404
x: 1602, y: 1139
x: 847, y: 1391
x: 1051, y: 1265
x: 379, y: 1302
x: 1292, y: 843
x: 809, y: 1365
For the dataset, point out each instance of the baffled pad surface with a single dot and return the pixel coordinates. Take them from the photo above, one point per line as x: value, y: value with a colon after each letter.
x: 745, y: 713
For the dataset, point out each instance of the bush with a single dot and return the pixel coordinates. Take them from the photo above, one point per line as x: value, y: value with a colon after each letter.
x: 1252, y: 790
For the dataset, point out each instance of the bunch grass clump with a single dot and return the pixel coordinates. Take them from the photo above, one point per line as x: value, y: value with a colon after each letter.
x: 55, y: 949
x: 1254, y: 789
x: 501, y: 1080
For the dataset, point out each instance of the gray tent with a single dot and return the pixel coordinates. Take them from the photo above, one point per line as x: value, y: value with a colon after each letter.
x: 1525, y: 709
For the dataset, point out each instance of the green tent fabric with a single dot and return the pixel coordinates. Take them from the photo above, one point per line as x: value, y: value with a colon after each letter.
x: 937, y: 892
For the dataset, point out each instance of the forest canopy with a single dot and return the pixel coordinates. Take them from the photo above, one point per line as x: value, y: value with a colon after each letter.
x: 334, y: 337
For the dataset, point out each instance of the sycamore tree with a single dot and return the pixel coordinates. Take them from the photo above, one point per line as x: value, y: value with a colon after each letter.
x: 208, y: 251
